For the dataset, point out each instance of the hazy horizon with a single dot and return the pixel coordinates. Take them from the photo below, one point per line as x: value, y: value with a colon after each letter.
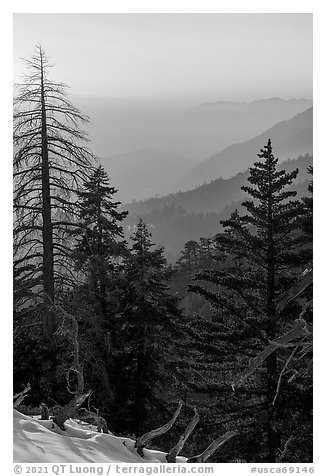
x: 172, y: 88
x: 180, y: 58
x: 191, y: 130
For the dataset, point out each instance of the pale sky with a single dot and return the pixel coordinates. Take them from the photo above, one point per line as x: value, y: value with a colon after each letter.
x: 200, y: 57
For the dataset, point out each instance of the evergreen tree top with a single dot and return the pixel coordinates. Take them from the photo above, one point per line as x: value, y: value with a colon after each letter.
x: 267, y: 179
x: 97, y: 206
x: 100, y: 218
x: 143, y: 255
x: 270, y: 223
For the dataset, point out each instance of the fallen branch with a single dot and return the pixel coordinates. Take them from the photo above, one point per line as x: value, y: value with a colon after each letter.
x: 212, y: 447
x: 171, y: 456
x: 68, y: 410
x: 144, y: 439
x: 19, y: 397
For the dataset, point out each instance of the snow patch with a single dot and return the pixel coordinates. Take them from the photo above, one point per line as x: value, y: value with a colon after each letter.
x: 41, y: 441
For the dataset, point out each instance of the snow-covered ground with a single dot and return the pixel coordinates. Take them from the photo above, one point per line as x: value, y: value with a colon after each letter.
x: 41, y: 441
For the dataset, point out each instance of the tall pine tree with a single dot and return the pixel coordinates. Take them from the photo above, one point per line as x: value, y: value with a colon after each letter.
x: 100, y: 245
x: 257, y: 257
x: 143, y: 342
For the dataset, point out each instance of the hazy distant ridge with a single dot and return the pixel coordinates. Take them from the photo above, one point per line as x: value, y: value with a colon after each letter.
x: 160, y: 149
x: 213, y: 196
x: 119, y: 127
x: 178, y: 218
x: 289, y: 138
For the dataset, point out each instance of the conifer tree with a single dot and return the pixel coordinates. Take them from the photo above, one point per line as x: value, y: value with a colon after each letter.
x: 101, y: 245
x: 190, y: 256
x: 256, y: 258
x: 50, y: 163
x: 98, y: 255
x: 145, y: 331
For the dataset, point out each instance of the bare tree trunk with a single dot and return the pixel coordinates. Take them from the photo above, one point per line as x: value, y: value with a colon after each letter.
x: 47, y: 233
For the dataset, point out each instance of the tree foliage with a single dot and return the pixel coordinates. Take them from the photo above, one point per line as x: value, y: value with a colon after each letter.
x: 145, y: 337
x: 100, y: 243
x: 92, y: 312
x: 257, y: 259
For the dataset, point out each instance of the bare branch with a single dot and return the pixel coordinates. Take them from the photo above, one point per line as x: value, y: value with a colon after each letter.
x: 213, y: 447
x: 280, y: 456
x: 143, y: 440
x: 19, y: 397
x: 171, y: 456
x: 298, y: 288
x: 297, y: 331
x: 100, y: 422
x: 68, y: 410
x: 282, y: 373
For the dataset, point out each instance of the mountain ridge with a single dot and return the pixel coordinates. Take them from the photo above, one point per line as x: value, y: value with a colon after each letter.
x: 284, y: 136
x: 263, y: 101
x: 177, y: 218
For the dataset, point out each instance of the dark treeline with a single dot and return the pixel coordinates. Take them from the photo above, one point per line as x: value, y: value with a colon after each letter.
x: 227, y: 329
